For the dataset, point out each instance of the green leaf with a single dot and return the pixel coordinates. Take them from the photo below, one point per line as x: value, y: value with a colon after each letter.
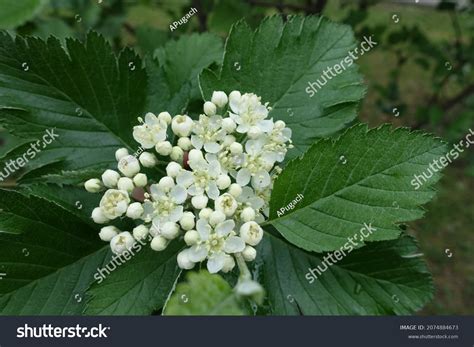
x: 203, y: 294
x: 386, y: 277
x: 139, y: 286
x: 47, y: 254
x: 175, y: 70
x: 278, y: 60
x: 14, y: 13
x: 362, y: 177
x: 88, y: 95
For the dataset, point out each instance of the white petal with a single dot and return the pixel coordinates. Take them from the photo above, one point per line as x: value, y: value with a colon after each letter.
x: 216, y: 262
x: 234, y: 244
x: 212, y: 147
x: 185, y: 178
x: 224, y: 228
x: 195, y: 190
x: 242, y: 128
x: 266, y: 125
x: 203, y: 229
x: 261, y: 179
x: 197, y: 253
x: 243, y: 177
x: 196, y: 141
x: 212, y: 191
x: 176, y: 214
x: 178, y: 194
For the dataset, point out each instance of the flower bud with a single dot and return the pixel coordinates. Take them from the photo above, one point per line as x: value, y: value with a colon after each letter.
x: 249, y: 253
x: 199, y: 201
x: 209, y: 108
x: 226, y: 204
x: 135, y: 210
x: 107, y: 233
x: 191, y: 237
x: 280, y: 124
x: 187, y: 221
x: 195, y: 155
x: 163, y: 148
x: 183, y: 260
x: 170, y: 230
x: 121, y: 153
x: 235, y: 190
x: 159, y: 243
x: 229, y: 264
x: 125, y: 183
x: 177, y: 154
x: 182, y: 125
x: 94, y: 185
x: 219, y: 98
x: 223, y: 182
x: 205, y: 213
x: 236, y: 148
x: 110, y: 178
x: 122, y: 242
x: 173, y: 169
x: 140, y: 180
x: 129, y: 166
x: 251, y: 233
x: 248, y: 214
x: 184, y: 143
x: 166, y: 183
x: 148, y: 159
x: 216, y: 217
x: 254, y: 132
x: 228, y: 140
x: 165, y: 117
x: 140, y: 232
x: 228, y: 125
x: 234, y: 96
x: 99, y: 217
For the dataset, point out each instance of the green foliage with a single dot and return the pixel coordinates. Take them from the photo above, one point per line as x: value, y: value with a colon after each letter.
x: 13, y: 12
x: 203, y: 294
x: 362, y: 177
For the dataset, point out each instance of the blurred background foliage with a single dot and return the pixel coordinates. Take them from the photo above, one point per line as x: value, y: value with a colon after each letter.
x: 420, y: 75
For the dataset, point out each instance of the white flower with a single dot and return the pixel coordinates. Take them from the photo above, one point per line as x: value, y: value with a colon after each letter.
x: 148, y: 159
x: 209, y: 108
x: 110, y: 178
x: 158, y: 243
x: 126, y: 184
x: 173, y: 169
x: 140, y: 180
x: 120, y: 153
x: 208, y: 133
x: 185, y: 143
x: 98, y: 216
x: 223, y: 182
x: 176, y: 153
x: 183, y: 260
x: 219, y: 98
x: 165, y: 117
x: 135, y: 210
x: 236, y: 148
x: 256, y: 166
x: 166, y: 183
x: 107, y: 233
x: 170, y: 230
x: 129, y: 166
x: 202, y: 178
x: 151, y: 132
x: 140, y: 232
x: 191, y: 237
x: 165, y: 204
x: 215, y: 243
x: 216, y: 217
x: 164, y: 148
x: 94, y: 185
x: 199, y: 201
x: 234, y: 98
x: 182, y: 125
x: 229, y: 264
x: 114, y: 203
x: 247, y: 214
x: 205, y: 213
x: 235, y: 190
x: 249, y: 253
x: 228, y: 125
x: 122, y: 242
x: 226, y: 204
x: 187, y: 221
x: 251, y: 233
x: 247, y: 112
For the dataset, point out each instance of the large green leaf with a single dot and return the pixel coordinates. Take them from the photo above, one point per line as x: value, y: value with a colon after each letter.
x: 138, y: 287
x: 386, y: 277
x: 278, y: 60
x: 14, y: 12
x: 203, y: 294
x: 47, y: 254
x: 362, y: 177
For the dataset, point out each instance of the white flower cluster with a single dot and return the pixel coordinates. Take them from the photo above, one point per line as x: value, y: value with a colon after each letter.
x: 216, y: 191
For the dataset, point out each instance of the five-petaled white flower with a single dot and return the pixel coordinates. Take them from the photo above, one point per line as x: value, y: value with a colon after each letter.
x: 152, y: 131
x: 165, y: 204
x: 249, y: 114
x: 114, y: 203
x: 208, y: 133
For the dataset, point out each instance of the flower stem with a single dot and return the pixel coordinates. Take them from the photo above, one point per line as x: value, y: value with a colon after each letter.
x: 244, y: 270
